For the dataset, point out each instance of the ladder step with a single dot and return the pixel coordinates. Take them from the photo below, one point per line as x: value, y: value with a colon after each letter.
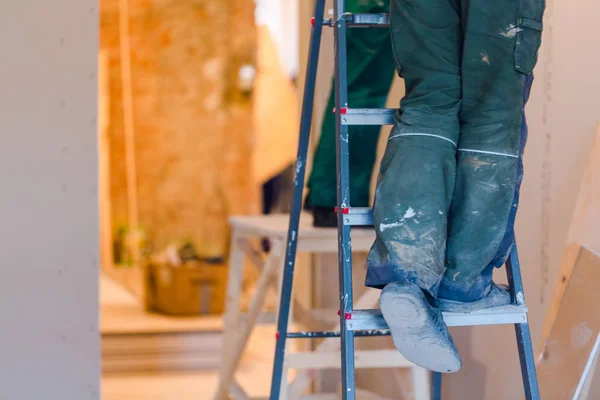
x: 513, y: 314
x: 363, y: 20
x: 328, y: 334
x: 361, y: 216
x: 368, y: 116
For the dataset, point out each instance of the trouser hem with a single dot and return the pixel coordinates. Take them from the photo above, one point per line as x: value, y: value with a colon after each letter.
x: 379, y: 275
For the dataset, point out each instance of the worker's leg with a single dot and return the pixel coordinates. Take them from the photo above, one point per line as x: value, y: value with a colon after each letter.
x: 370, y: 74
x: 416, y: 178
x: 501, y: 43
x: 416, y: 181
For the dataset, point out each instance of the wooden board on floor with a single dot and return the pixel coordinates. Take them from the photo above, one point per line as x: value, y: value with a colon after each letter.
x: 574, y: 333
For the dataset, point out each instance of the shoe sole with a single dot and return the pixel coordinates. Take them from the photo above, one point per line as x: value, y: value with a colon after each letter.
x: 415, y: 335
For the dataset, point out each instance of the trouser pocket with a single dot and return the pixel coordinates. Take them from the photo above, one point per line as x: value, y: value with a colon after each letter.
x: 528, y: 30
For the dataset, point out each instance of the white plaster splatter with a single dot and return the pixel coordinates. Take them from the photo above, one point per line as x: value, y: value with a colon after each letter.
x: 520, y: 298
x: 299, y: 164
x: 511, y: 31
x: 383, y: 227
x: 409, y: 213
x: 485, y: 58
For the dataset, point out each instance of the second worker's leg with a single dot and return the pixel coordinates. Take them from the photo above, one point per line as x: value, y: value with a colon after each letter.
x: 370, y: 74
x: 500, y: 50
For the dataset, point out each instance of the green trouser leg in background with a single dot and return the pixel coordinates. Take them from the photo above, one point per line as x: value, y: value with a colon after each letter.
x: 448, y: 178
x: 370, y: 74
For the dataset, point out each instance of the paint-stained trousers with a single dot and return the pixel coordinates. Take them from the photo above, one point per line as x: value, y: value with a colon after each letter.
x: 448, y: 184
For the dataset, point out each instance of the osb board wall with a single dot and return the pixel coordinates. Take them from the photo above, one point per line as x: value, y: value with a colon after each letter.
x: 193, y: 126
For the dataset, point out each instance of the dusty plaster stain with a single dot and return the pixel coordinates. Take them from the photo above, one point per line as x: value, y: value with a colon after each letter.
x: 487, y: 186
x: 476, y: 163
x: 511, y: 31
x: 485, y: 58
x: 581, y: 335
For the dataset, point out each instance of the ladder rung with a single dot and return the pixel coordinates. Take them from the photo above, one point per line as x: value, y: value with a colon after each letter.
x: 358, y: 216
x: 373, y: 319
x: 368, y: 116
x: 363, y: 20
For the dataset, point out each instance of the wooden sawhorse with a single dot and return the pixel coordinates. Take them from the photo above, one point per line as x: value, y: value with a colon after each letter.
x: 238, y: 326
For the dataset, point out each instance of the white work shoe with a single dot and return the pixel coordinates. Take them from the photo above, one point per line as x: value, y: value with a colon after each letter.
x: 418, y: 329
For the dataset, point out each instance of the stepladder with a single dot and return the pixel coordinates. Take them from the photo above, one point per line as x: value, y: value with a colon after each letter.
x: 358, y: 322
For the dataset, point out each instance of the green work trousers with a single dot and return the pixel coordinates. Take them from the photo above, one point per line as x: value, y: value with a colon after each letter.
x: 370, y: 74
x: 447, y: 188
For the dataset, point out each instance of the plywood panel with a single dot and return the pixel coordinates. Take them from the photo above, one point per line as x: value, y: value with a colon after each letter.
x: 574, y: 331
x: 584, y: 230
x: 193, y: 126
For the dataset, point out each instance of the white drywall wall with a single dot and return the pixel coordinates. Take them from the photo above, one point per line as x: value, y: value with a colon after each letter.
x: 49, y: 340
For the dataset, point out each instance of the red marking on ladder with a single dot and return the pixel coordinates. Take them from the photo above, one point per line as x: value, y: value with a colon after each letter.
x: 276, y: 335
x: 345, y: 210
x: 348, y: 315
x: 343, y: 110
x: 312, y: 21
